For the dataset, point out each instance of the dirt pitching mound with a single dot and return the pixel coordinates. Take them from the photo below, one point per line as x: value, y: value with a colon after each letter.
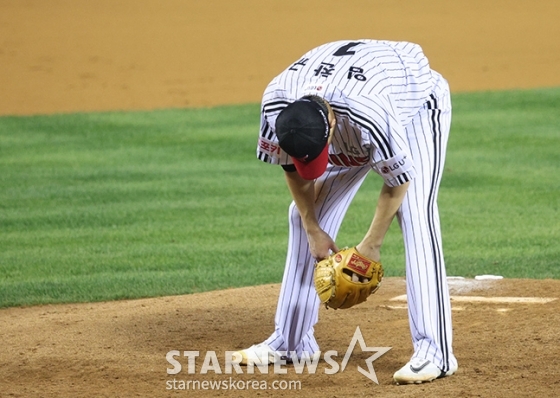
x: 506, y: 340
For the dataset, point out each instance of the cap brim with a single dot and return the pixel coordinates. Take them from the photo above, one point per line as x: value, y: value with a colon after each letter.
x: 314, y: 169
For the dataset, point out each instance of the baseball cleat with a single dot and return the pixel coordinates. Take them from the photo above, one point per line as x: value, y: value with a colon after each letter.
x: 262, y: 354
x: 314, y: 358
x: 258, y: 354
x: 418, y: 371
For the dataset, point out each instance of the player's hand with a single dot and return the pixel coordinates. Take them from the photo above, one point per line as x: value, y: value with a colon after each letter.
x: 370, y: 252
x: 321, y: 244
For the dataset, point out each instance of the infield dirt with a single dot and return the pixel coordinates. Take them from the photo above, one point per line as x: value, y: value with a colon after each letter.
x: 68, y: 56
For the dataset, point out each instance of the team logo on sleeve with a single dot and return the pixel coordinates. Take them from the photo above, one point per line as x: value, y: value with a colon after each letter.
x: 395, y: 166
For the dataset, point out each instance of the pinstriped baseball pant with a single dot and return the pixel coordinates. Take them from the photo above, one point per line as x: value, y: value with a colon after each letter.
x: 429, y: 308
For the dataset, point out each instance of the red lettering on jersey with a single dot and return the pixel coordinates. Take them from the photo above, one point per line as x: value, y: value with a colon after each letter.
x: 269, y: 147
x: 348, y: 161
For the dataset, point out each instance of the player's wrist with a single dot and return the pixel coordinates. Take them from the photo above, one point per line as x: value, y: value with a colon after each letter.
x: 372, y: 242
x: 312, y: 229
x: 370, y: 251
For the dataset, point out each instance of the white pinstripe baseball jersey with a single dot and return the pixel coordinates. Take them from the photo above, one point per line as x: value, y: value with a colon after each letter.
x: 374, y: 88
x: 393, y: 115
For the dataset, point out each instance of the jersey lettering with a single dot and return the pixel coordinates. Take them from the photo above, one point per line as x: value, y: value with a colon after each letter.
x: 341, y: 159
x: 299, y: 63
x: 346, y: 49
x: 356, y: 73
x: 269, y: 147
x: 325, y: 69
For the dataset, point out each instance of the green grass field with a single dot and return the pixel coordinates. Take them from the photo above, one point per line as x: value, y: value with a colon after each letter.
x: 116, y: 205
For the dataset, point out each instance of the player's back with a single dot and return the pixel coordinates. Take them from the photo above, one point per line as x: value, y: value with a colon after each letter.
x: 398, y: 71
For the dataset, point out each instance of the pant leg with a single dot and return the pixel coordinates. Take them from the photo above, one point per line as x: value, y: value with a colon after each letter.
x: 429, y: 306
x: 298, y: 304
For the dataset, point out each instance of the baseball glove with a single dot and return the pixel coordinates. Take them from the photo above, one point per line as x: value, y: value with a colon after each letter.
x: 346, y: 278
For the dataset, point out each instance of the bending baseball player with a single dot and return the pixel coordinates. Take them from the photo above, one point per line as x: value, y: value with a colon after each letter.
x: 341, y: 110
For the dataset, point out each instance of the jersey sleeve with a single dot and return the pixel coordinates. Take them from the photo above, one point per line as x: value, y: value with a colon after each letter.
x: 392, y: 158
x: 268, y: 149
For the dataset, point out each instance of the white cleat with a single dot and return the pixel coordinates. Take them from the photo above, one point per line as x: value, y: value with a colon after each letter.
x: 262, y: 354
x: 258, y: 354
x: 418, y: 371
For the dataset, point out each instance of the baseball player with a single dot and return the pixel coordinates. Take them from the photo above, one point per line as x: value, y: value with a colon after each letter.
x: 341, y: 110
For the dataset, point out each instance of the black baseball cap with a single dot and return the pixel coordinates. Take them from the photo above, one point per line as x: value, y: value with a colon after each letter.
x: 302, y: 129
